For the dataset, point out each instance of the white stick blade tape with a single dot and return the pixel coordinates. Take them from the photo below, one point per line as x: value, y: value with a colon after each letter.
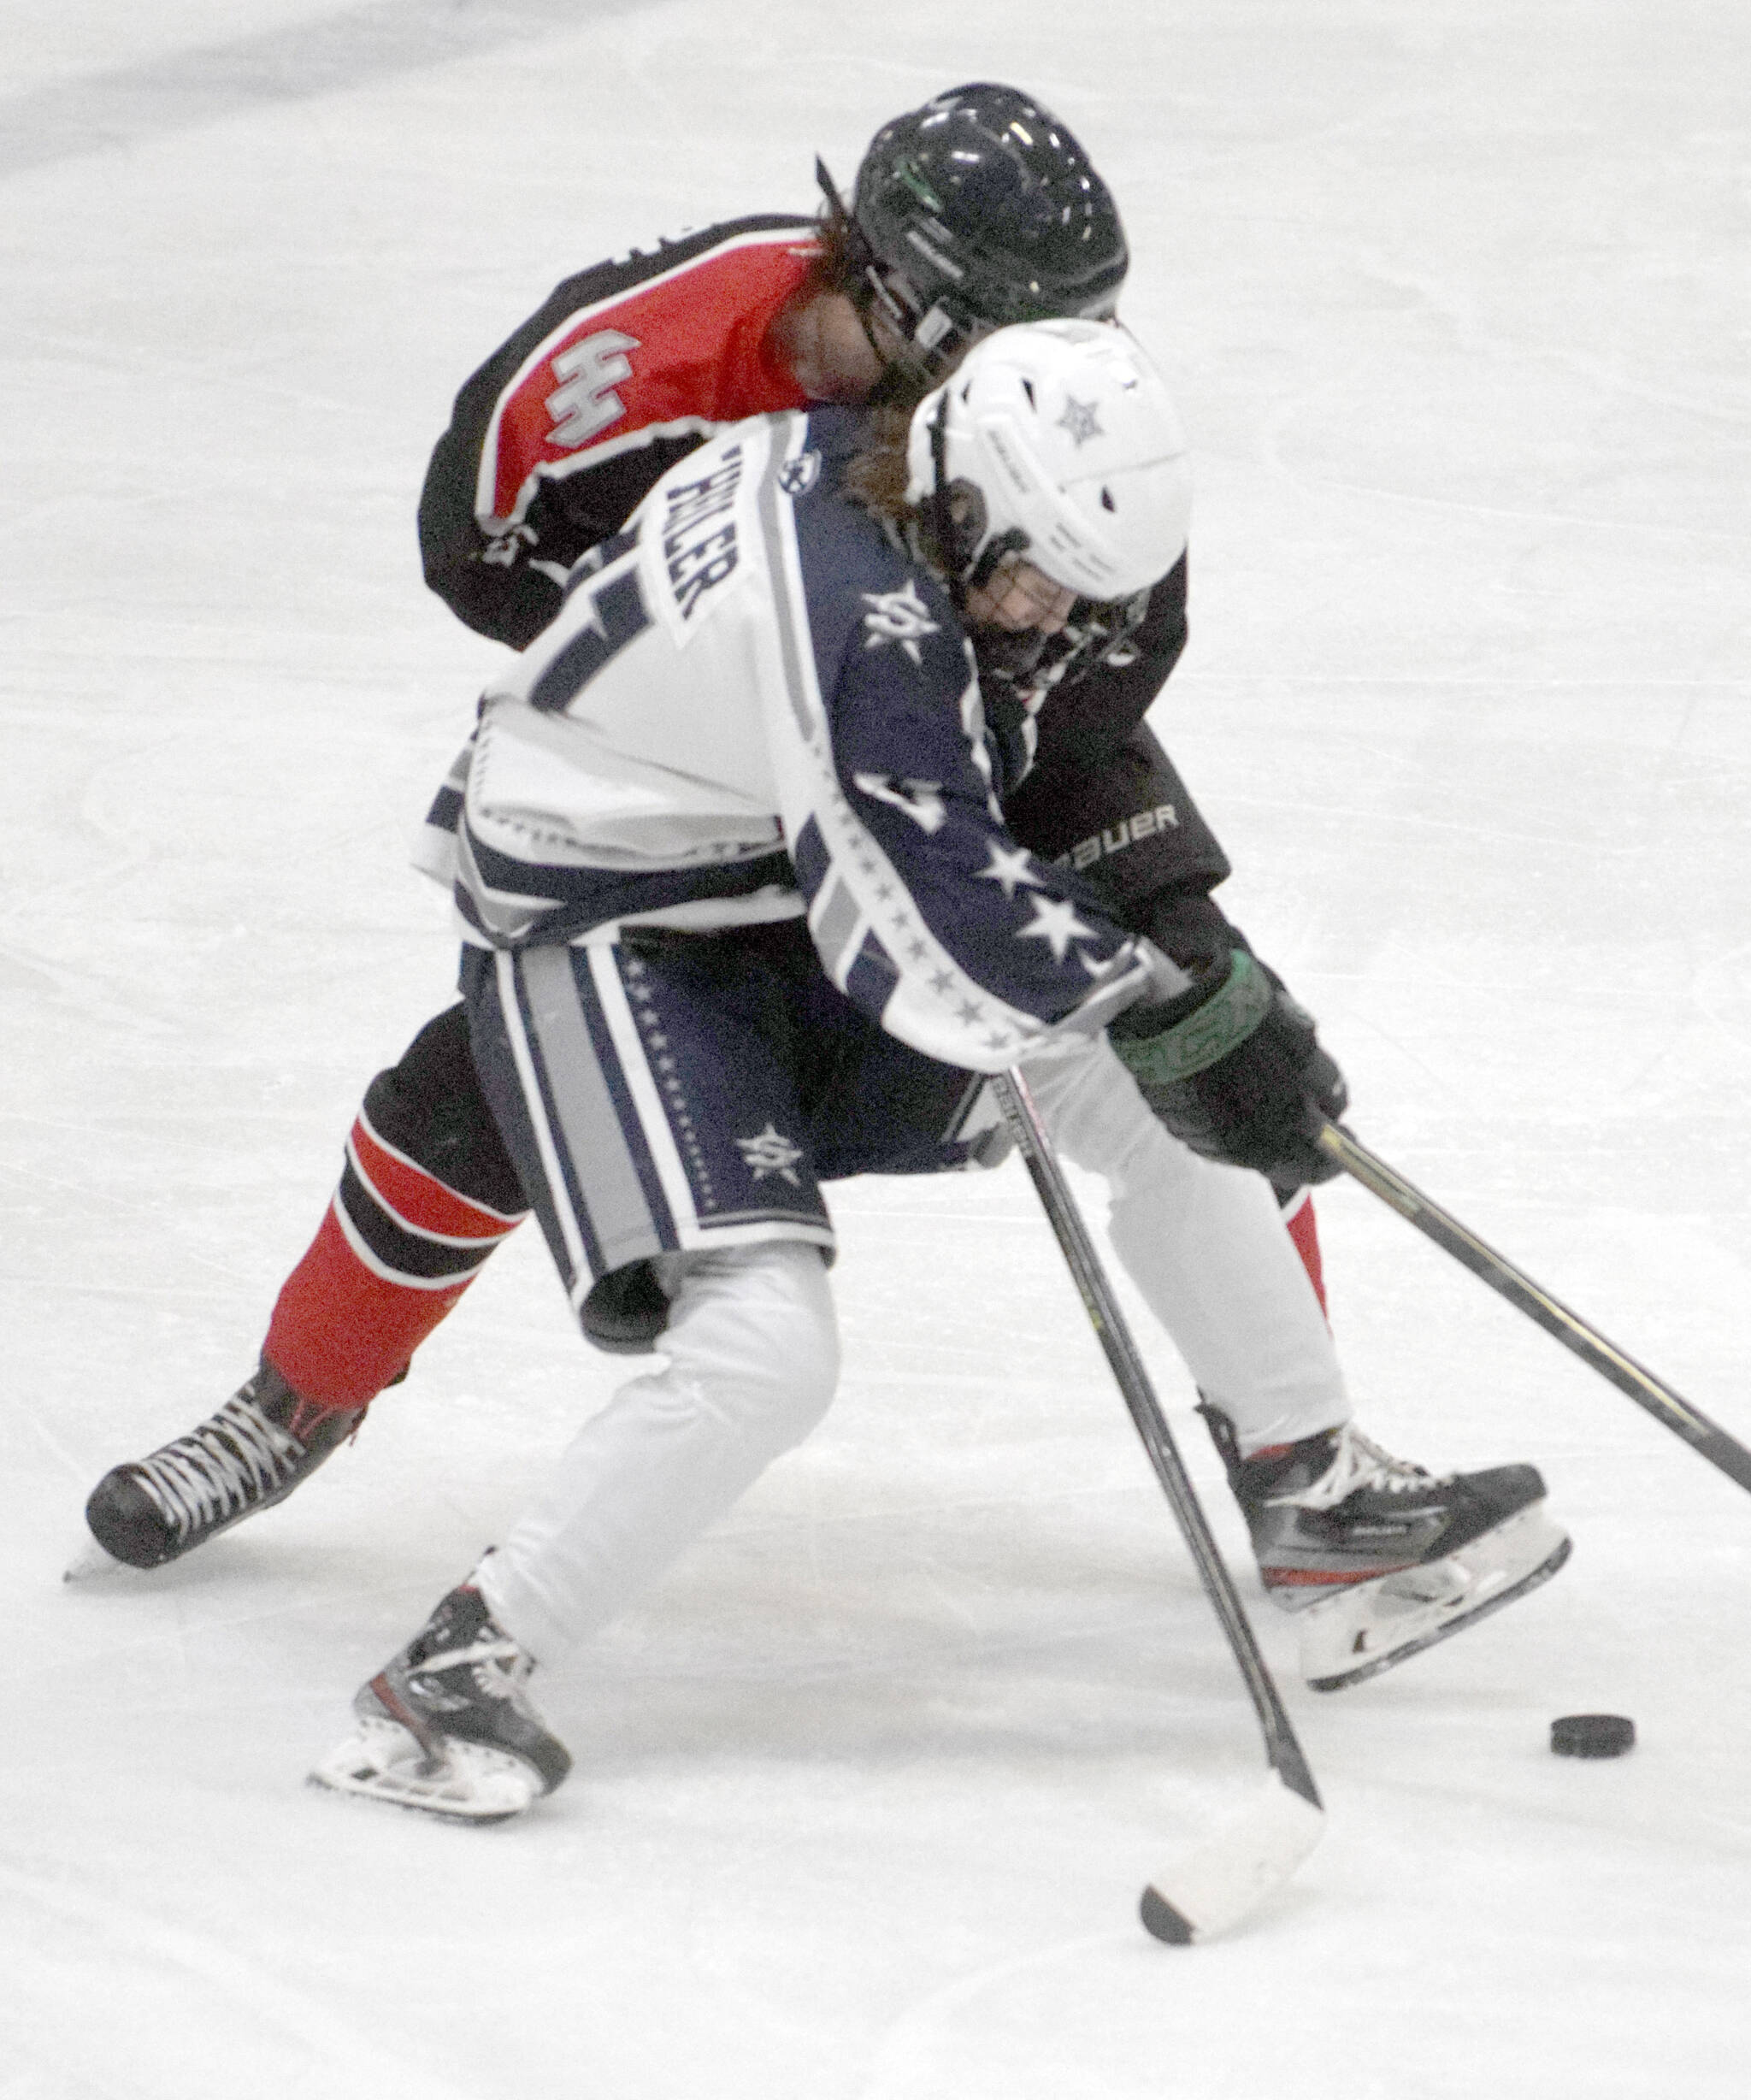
x: 1226, y: 1878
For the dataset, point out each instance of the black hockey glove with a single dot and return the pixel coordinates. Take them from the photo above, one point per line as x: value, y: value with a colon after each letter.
x: 1233, y: 1068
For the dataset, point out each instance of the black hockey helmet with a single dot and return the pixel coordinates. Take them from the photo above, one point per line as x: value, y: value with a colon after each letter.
x: 977, y: 210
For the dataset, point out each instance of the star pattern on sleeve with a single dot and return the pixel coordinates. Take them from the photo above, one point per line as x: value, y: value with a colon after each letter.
x: 962, y: 981
x: 1056, y: 922
x: 1011, y: 869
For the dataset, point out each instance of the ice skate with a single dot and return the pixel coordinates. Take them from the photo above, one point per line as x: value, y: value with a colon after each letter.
x: 1381, y: 1558
x: 264, y: 1442
x: 447, y: 1726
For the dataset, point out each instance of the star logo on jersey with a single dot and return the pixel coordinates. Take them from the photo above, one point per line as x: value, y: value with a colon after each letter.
x: 900, y: 616
x: 1009, y: 869
x: 796, y: 477
x: 771, y: 1152
x: 1080, y: 420
x: 1057, y: 923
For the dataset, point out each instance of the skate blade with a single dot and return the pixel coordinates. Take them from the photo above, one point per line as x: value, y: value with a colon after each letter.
x: 1350, y: 1639
x: 472, y: 1784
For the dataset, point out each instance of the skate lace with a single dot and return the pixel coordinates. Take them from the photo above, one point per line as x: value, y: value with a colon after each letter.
x: 232, y: 1460
x: 1357, y: 1463
x: 500, y: 1667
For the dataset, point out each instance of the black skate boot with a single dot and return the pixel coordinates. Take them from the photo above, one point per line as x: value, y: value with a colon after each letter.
x: 448, y: 1725
x: 1382, y: 1557
x: 264, y: 1442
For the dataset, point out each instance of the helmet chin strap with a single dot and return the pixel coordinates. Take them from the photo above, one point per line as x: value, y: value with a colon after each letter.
x: 1003, y: 654
x: 941, y: 512
x: 907, y: 362
x: 963, y: 576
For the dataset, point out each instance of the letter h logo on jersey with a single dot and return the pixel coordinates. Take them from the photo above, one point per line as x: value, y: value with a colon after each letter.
x: 587, y: 404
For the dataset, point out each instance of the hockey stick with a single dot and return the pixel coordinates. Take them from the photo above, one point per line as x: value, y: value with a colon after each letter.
x: 1224, y: 1880
x: 1611, y: 1362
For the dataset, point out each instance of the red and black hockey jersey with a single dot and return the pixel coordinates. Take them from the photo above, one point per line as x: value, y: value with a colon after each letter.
x: 627, y: 368
x: 559, y: 436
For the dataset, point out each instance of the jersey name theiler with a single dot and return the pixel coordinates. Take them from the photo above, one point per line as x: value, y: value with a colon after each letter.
x: 698, y: 549
x: 1145, y: 824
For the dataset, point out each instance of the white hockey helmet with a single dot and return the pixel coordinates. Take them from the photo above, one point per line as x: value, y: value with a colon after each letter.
x: 1057, y: 440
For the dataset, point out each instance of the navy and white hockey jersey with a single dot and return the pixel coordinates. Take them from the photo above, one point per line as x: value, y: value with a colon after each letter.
x: 754, y: 705
x: 627, y: 367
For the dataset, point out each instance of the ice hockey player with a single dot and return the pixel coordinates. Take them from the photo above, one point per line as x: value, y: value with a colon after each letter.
x: 741, y: 907
x: 977, y: 209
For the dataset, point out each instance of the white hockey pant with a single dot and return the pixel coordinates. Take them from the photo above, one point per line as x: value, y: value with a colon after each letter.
x: 1206, y: 1246
x: 753, y: 1359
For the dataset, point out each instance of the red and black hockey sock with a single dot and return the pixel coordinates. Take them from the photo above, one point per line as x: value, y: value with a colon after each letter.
x: 428, y: 1191
x: 393, y: 1256
x: 1303, y: 1228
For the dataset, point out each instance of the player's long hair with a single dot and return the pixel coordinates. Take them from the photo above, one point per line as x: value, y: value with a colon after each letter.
x: 842, y: 266
x: 876, y: 479
x: 836, y: 268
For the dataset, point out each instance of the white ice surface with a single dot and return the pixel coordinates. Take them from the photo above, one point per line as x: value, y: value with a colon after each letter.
x: 1454, y: 295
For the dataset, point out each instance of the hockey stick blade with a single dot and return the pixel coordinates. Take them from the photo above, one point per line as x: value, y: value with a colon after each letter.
x: 1708, y: 1439
x: 1223, y: 1881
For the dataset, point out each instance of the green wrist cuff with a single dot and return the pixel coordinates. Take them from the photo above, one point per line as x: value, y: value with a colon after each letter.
x: 1225, y: 1019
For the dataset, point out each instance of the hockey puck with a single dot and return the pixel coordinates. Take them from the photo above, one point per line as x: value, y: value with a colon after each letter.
x: 1592, y: 1735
